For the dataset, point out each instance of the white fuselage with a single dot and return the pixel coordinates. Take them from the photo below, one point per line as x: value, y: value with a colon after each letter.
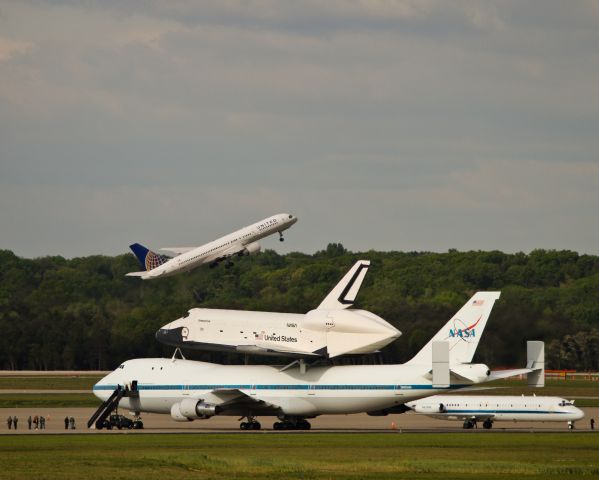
x: 320, y: 332
x: 163, y: 383
x: 232, y: 244
x: 497, y: 408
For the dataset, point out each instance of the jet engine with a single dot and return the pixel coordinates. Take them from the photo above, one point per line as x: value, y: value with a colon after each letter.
x: 191, y: 409
x: 252, y: 249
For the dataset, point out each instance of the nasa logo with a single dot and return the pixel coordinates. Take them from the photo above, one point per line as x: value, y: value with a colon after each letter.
x: 463, y: 332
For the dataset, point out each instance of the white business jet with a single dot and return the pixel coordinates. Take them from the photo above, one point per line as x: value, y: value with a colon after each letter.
x: 330, y: 330
x: 239, y: 243
x: 189, y: 390
x: 494, y: 408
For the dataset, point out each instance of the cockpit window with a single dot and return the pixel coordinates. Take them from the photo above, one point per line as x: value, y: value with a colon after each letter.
x: 122, y: 366
x: 290, y: 216
x: 565, y: 403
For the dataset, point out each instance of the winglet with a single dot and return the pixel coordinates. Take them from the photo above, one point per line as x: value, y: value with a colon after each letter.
x: 345, y: 292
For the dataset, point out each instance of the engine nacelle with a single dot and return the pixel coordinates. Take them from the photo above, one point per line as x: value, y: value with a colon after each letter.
x: 252, y: 248
x: 192, y: 408
x: 474, y: 372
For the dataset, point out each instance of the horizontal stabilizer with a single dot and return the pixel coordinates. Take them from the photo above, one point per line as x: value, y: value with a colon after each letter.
x: 499, y: 374
x: 345, y: 292
x: 136, y: 274
x: 177, y: 250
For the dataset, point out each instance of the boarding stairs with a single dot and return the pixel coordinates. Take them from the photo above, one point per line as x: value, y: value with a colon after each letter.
x: 111, y: 404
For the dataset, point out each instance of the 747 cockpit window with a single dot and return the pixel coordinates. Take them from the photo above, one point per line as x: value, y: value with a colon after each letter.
x: 565, y: 403
x: 122, y: 366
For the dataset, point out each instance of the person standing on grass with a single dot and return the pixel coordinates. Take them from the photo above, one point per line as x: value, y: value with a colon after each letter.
x: 29, y: 421
x: 15, y: 420
x: 36, y: 422
x: 66, y: 423
x: 72, y: 422
x: 592, y: 424
x: 9, y: 422
x: 42, y: 423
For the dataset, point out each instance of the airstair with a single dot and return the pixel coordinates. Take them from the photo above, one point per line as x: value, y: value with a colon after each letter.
x: 111, y: 404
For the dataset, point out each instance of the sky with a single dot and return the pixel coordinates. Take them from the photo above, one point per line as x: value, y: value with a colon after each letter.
x: 386, y: 125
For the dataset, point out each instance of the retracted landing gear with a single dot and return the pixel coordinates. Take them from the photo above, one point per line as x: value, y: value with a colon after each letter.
x: 251, y: 424
x: 281, y: 239
x: 488, y: 424
x: 292, y: 424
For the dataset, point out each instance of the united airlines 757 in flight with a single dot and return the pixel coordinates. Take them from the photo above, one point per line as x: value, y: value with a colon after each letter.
x: 239, y: 243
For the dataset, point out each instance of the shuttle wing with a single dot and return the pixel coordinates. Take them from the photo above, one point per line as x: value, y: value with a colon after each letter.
x: 345, y: 292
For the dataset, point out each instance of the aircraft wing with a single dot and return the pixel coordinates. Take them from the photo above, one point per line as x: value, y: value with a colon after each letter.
x: 233, y: 250
x: 177, y: 250
x: 236, y: 398
x: 477, y: 418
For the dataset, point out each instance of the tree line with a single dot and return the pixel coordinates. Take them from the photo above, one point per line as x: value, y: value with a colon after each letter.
x: 83, y: 313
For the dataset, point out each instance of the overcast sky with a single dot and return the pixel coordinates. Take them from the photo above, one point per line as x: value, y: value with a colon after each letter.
x: 386, y: 125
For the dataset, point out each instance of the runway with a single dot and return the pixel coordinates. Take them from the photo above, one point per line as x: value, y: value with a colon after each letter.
x: 155, y: 423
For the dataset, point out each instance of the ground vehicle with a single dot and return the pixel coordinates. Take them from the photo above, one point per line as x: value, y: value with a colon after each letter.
x: 119, y: 421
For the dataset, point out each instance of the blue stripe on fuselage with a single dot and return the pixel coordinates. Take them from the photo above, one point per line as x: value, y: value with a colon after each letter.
x: 278, y: 387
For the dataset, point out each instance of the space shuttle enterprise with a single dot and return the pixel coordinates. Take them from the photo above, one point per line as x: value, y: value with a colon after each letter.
x: 330, y: 330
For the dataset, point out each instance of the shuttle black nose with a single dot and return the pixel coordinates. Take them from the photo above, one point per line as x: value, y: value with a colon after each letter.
x: 170, y: 336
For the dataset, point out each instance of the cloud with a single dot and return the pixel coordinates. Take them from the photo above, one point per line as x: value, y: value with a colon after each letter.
x: 410, y: 115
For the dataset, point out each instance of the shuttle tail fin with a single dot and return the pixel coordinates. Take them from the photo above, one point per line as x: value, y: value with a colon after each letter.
x: 147, y: 258
x: 463, y: 331
x: 344, y: 293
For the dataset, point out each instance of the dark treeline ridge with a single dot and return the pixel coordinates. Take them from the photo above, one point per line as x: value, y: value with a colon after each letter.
x: 84, y: 313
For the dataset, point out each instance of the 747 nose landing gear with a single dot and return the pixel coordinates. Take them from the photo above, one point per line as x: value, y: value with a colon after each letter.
x: 281, y: 239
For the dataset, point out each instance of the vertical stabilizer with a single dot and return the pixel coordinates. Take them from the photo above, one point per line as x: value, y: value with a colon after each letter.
x: 345, y: 292
x: 463, y: 331
x: 147, y: 258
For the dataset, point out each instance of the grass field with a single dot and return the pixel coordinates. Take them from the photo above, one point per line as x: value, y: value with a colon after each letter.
x: 48, y: 382
x: 55, y: 400
x: 320, y: 456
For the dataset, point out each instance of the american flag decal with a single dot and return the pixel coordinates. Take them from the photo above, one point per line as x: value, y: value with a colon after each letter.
x: 478, y: 303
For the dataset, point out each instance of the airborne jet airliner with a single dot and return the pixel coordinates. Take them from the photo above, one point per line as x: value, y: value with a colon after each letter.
x: 189, y: 390
x: 239, y: 243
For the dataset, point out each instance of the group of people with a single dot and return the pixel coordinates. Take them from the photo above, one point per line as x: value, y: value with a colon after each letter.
x: 38, y: 423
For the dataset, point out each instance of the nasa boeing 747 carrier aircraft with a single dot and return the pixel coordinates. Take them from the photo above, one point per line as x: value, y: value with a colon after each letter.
x: 189, y: 390
x: 330, y: 330
x: 239, y: 243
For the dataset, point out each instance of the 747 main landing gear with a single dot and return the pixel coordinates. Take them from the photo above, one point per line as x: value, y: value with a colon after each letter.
x: 251, y: 424
x: 292, y: 424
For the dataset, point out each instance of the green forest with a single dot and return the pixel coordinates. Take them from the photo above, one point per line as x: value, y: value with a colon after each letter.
x: 83, y: 313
